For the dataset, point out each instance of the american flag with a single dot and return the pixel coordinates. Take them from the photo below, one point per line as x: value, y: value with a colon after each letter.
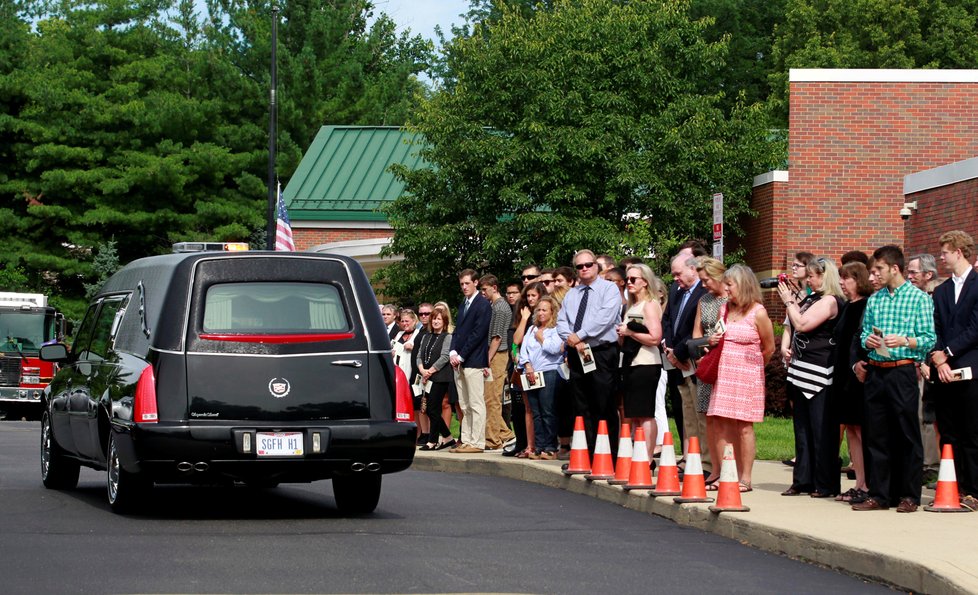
x: 283, y: 228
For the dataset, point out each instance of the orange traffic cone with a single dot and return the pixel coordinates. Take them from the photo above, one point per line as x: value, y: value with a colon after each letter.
x: 694, y: 484
x: 640, y: 476
x: 580, y: 462
x: 946, y: 497
x: 667, y: 481
x: 602, y: 467
x: 624, y: 465
x: 728, y: 493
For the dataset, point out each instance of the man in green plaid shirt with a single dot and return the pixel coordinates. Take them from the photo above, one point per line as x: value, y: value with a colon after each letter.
x: 898, y: 329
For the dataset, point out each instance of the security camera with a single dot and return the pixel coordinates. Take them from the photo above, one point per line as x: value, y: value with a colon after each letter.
x: 906, y: 211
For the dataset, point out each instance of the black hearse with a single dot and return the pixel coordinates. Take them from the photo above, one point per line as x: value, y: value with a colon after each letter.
x: 219, y: 367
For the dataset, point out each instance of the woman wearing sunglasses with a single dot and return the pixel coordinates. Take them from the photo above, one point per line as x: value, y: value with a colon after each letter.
x: 639, y: 336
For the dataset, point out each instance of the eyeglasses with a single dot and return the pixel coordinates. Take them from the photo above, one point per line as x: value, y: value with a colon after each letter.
x: 547, y: 281
x: 528, y: 277
x: 424, y: 313
x: 632, y: 280
x: 797, y: 265
x: 584, y: 265
x: 912, y: 273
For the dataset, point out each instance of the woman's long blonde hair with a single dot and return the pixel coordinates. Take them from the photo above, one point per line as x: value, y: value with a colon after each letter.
x: 554, y: 309
x: 649, y: 277
x: 748, y: 288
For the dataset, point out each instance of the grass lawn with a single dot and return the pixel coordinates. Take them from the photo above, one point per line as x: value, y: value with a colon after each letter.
x: 775, y: 439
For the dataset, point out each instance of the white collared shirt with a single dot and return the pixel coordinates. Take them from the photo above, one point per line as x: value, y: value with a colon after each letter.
x: 958, y: 284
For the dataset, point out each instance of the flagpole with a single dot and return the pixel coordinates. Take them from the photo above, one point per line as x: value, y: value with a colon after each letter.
x: 272, y: 122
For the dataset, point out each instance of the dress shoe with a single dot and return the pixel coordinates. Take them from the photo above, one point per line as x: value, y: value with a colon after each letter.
x: 869, y: 504
x: 450, y: 443
x: 510, y: 451
x: 907, y: 505
x: 794, y: 491
x: 466, y: 449
x: 510, y: 442
x: 822, y: 495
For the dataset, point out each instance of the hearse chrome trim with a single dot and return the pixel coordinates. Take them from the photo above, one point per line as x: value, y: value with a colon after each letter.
x: 353, y: 363
x: 304, y: 354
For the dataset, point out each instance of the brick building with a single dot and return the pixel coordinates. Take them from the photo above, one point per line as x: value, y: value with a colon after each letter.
x: 335, y: 195
x: 940, y: 199
x: 854, y: 136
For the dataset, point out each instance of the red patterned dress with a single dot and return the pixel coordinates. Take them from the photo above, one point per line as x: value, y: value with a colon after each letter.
x: 739, y: 390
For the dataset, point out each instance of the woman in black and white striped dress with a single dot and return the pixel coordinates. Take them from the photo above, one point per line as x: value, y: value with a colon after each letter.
x: 812, y: 321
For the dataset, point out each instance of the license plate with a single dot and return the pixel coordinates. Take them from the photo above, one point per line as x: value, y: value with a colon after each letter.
x: 279, y: 444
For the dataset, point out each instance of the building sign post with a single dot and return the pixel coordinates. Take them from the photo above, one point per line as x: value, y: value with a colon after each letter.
x: 718, y: 226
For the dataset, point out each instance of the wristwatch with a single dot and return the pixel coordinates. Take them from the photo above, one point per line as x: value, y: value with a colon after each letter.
x: 906, y: 341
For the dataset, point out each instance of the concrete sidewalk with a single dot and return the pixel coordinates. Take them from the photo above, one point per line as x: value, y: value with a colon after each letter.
x: 922, y: 552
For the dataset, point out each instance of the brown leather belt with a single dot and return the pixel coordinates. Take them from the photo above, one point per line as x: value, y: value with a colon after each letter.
x: 892, y: 364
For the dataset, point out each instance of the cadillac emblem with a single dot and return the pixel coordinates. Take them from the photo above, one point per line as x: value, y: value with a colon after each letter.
x: 279, y: 387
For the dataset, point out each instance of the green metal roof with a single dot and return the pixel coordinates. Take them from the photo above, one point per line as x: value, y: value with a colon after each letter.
x: 344, y: 175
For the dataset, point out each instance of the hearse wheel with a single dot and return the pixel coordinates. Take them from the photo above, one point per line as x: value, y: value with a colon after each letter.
x: 58, y: 472
x: 126, y: 491
x: 357, y: 494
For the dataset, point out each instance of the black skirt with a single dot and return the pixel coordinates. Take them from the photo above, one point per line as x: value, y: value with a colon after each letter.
x: 640, y: 384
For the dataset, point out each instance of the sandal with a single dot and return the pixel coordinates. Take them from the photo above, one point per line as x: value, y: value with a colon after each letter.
x: 713, y: 487
x: 847, y: 496
x: 745, y: 487
x: 710, y: 482
x: 525, y: 454
x: 428, y: 446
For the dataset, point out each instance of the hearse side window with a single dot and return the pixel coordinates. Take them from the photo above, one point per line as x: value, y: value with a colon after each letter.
x: 105, y: 326
x: 84, y: 335
x: 279, y: 307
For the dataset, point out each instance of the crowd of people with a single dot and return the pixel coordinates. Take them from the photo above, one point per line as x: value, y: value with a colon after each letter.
x: 876, y: 352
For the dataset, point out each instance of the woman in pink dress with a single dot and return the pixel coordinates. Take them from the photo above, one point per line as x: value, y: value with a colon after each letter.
x: 738, y: 395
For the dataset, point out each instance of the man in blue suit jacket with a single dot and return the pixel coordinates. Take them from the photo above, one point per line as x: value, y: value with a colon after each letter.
x: 470, y: 359
x: 956, y: 325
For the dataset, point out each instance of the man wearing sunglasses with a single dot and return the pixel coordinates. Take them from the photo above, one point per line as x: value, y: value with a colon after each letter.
x: 530, y: 274
x: 589, y: 318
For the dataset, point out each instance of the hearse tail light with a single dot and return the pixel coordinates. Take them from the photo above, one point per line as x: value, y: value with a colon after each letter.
x: 403, y: 401
x: 144, y: 408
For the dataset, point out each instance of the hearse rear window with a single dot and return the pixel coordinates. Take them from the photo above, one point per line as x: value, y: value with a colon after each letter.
x: 274, y: 308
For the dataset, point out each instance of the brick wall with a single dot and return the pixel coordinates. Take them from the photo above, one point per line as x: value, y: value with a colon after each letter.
x: 764, y: 234
x: 306, y: 238
x: 852, y: 142
x: 941, y: 209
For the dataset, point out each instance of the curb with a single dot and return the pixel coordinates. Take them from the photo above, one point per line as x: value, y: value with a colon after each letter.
x: 902, y: 572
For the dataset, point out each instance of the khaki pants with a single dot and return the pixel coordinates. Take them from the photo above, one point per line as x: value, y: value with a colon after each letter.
x: 497, y: 432
x: 694, y: 423
x: 471, y: 388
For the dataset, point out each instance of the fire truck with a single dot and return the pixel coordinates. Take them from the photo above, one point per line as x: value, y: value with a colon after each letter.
x: 26, y: 323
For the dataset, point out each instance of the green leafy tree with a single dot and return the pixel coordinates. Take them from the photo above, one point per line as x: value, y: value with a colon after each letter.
x: 748, y: 28
x: 147, y: 122
x: 872, y: 34
x: 594, y: 124
x: 105, y: 263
